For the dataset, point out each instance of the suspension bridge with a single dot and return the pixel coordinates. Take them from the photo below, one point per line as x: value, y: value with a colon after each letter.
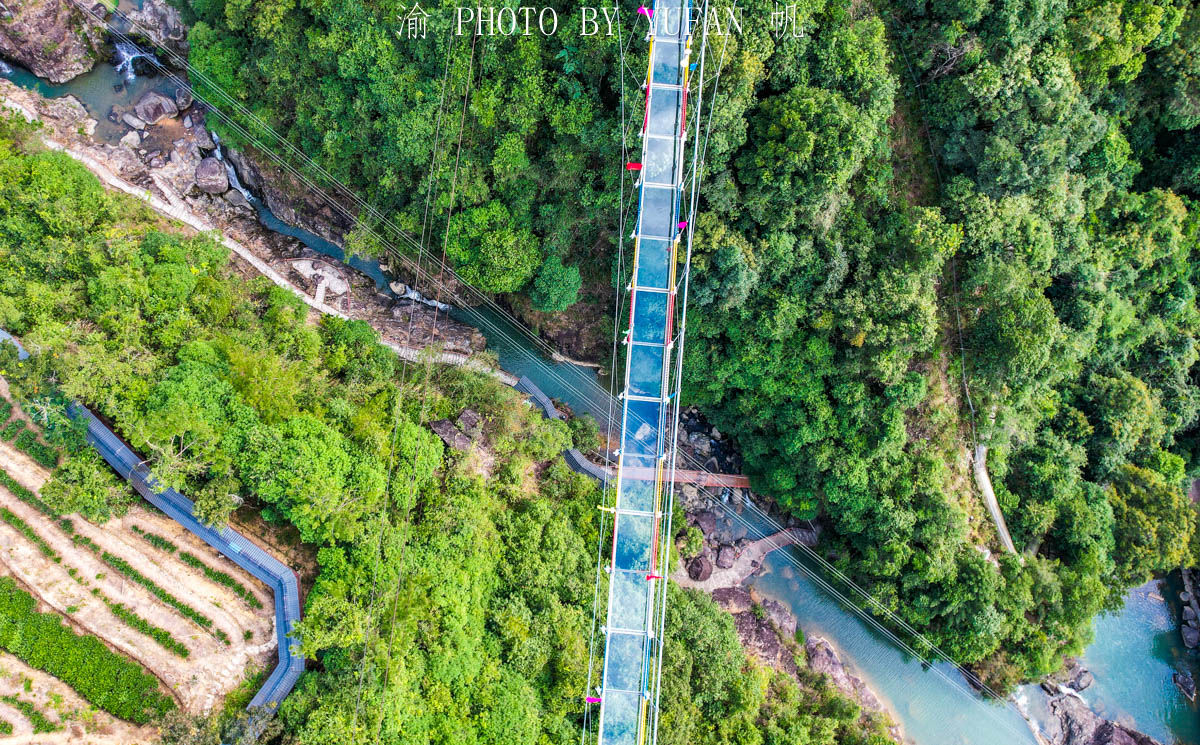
x: 638, y: 562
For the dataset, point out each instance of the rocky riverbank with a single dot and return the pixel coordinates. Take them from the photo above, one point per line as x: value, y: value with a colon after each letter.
x: 767, y: 629
x: 769, y: 633
x: 1073, y: 722
x: 169, y: 153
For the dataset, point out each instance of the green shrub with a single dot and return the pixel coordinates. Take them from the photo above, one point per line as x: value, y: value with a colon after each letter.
x: 13, y: 429
x: 6, y: 727
x: 156, y: 540
x: 160, y: 635
x: 85, y: 484
x: 127, y: 569
x: 23, y: 494
x: 24, y: 529
x: 6, y: 408
x: 41, y: 724
x: 106, y: 679
x: 124, y: 567
x: 44, y: 454
x: 88, y: 543
x: 221, y: 578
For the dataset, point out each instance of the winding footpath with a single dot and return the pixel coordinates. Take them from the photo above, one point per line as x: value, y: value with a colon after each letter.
x: 984, y: 482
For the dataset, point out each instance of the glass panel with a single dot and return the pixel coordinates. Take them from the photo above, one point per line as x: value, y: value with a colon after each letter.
x: 668, y: 62
x: 660, y: 166
x: 653, y: 262
x: 650, y: 317
x: 629, y: 597
x: 619, y: 720
x: 658, y: 211
x: 631, y: 460
x: 664, y: 112
x: 624, y: 659
x: 645, y: 370
x: 641, y: 434
x: 635, y: 533
x: 668, y: 21
x: 635, y: 494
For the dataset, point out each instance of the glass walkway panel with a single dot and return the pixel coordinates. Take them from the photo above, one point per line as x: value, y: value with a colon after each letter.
x: 638, y: 559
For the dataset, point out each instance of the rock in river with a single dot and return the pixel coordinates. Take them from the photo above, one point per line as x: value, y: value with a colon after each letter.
x: 1191, y: 636
x: 153, y: 107
x: 132, y: 121
x: 211, y: 176
x: 1079, y: 725
x: 1186, y: 684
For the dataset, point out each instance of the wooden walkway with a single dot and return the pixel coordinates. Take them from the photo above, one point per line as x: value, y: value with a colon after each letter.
x: 699, y: 478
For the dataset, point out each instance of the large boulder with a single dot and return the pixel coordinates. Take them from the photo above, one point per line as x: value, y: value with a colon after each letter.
x: 823, y: 659
x: 726, y: 555
x: 71, y: 113
x: 733, y: 599
x: 1191, y: 636
x: 470, y: 422
x: 52, y: 38
x: 153, y: 107
x: 211, y: 177
x: 132, y: 121
x: 700, y: 568
x: 706, y: 521
x: 445, y: 429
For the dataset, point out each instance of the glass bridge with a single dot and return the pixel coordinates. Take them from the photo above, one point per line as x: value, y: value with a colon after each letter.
x: 638, y: 562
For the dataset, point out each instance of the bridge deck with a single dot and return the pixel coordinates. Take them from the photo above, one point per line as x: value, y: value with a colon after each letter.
x: 637, y: 564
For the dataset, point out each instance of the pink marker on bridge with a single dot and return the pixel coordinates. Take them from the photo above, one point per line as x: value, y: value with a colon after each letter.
x: 592, y: 700
x: 646, y: 11
x: 682, y: 224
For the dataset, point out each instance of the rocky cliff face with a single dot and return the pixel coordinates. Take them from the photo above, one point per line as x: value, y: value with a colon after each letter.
x: 290, y: 199
x: 163, y: 24
x: 52, y: 38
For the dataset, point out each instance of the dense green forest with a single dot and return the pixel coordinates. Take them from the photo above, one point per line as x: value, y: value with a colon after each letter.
x: 454, y: 593
x: 925, y: 226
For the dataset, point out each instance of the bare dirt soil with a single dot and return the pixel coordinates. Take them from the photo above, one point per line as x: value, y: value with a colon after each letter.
x: 83, y: 724
x: 212, y: 668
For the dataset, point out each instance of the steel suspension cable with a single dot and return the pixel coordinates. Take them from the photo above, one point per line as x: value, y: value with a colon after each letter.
x: 425, y: 391
x: 397, y: 401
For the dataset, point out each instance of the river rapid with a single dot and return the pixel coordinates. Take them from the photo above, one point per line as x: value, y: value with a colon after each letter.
x: 1134, y: 653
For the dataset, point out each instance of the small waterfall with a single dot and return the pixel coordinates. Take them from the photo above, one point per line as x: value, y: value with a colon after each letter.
x: 5, y: 69
x: 126, y: 54
x: 404, y: 291
x: 230, y: 171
